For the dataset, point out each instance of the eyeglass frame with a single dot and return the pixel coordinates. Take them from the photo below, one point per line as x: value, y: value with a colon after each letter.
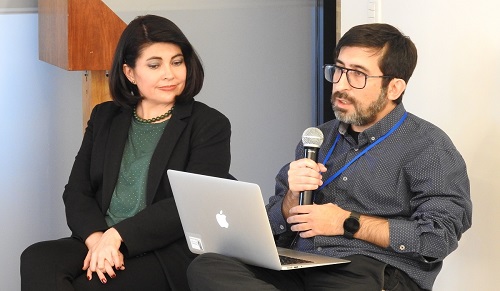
x: 346, y: 70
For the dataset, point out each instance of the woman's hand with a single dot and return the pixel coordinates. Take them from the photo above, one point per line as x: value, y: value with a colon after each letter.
x: 104, y: 256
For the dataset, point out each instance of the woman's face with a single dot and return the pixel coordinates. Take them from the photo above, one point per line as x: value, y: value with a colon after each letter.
x: 159, y: 73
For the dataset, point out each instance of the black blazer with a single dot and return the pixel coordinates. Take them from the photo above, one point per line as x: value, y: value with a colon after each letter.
x: 196, y: 139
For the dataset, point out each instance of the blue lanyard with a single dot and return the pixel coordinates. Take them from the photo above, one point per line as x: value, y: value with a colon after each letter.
x: 398, y: 124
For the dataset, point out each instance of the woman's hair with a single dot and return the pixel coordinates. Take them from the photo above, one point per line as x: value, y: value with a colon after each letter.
x: 399, y: 54
x: 142, y: 32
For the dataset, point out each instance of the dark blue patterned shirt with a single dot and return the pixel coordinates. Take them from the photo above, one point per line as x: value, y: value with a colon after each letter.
x: 415, y: 178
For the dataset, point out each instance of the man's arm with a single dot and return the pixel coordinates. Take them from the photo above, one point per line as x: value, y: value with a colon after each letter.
x: 328, y: 220
x: 374, y: 230
x: 289, y: 201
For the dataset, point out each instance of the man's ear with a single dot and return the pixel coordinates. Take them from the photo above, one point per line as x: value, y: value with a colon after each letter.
x: 396, y: 88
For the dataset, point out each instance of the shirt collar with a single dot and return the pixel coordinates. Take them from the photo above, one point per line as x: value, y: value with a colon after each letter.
x: 380, y: 128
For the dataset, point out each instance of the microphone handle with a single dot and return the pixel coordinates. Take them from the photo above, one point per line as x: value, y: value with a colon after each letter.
x: 306, y: 197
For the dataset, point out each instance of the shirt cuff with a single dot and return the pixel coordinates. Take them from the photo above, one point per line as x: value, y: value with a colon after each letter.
x: 403, y: 238
x: 276, y: 219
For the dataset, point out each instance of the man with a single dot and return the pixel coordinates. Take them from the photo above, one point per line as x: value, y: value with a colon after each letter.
x: 391, y: 190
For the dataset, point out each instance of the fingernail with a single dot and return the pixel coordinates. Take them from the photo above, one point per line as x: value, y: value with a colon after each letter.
x: 103, y: 280
x: 113, y: 276
x: 88, y: 278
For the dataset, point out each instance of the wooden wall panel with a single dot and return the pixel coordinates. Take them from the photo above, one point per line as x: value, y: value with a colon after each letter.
x: 53, y: 32
x: 78, y: 35
x: 95, y: 90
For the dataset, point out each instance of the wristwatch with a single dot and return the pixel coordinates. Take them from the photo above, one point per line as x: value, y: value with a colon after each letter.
x: 351, y: 225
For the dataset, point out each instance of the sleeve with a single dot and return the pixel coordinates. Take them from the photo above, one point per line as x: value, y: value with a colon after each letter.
x: 210, y: 149
x: 442, y: 209
x: 280, y: 228
x: 83, y: 213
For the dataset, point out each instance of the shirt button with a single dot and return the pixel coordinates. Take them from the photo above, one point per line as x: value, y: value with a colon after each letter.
x: 402, y: 247
x: 319, y: 249
x: 344, y: 178
x: 372, y: 138
x: 356, y: 150
x: 282, y: 227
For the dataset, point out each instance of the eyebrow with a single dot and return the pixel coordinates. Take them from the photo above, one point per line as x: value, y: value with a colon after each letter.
x: 357, y: 67
x: 159, y: 58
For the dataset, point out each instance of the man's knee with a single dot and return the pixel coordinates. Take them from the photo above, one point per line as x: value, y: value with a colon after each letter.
x: 201, y: 265
x: 199, y: 271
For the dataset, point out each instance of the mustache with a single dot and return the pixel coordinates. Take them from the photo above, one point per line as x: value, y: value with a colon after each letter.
x: 341, y: 95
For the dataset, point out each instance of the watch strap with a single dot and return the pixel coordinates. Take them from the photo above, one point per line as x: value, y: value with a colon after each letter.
x: 353, y: 218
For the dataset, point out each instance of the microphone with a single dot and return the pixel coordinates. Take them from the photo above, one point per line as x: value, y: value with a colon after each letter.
x: 312, y: 138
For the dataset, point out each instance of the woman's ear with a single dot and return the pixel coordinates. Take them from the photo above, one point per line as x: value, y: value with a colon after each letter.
x: 129, y: 73
x: 396, y: 88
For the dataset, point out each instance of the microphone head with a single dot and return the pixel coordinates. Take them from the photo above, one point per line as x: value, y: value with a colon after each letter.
x: 312, y: 137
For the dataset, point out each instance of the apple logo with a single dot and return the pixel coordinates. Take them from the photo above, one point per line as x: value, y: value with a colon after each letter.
x: 221, y: 219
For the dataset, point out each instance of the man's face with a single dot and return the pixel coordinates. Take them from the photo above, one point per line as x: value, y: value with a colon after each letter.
x: 360, y: 107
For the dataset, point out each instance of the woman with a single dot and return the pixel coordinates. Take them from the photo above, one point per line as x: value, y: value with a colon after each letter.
x: 126, y: 232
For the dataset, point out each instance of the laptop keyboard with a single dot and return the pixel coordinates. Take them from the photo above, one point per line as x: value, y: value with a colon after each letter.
x: 284, y: 260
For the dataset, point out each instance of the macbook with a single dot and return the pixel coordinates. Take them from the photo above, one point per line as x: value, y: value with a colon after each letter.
x: 228, y: 217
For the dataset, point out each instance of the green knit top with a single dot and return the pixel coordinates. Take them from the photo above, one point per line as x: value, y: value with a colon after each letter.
x: 129, y: 196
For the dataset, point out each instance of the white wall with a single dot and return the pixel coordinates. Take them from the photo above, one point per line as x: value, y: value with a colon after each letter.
x: 258, y: 60
x: 40, y: 132
x: 455, y: 86
x: 258, y: 57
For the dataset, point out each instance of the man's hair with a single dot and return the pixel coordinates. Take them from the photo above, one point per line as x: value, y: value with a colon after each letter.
x: 142, y: 32
x: 399, y: 54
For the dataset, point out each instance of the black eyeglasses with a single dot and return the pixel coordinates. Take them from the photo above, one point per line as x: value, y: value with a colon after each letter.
x: 355, y: 78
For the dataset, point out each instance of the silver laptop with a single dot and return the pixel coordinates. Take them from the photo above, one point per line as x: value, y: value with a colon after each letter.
x: 228, y: 217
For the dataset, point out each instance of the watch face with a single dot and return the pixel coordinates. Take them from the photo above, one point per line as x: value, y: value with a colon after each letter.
x: 351, y: 225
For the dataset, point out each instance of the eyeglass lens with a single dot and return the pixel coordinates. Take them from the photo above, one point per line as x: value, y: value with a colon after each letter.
x: 355, y: 78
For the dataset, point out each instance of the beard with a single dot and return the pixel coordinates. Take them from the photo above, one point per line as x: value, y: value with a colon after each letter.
x: 361, y: 116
